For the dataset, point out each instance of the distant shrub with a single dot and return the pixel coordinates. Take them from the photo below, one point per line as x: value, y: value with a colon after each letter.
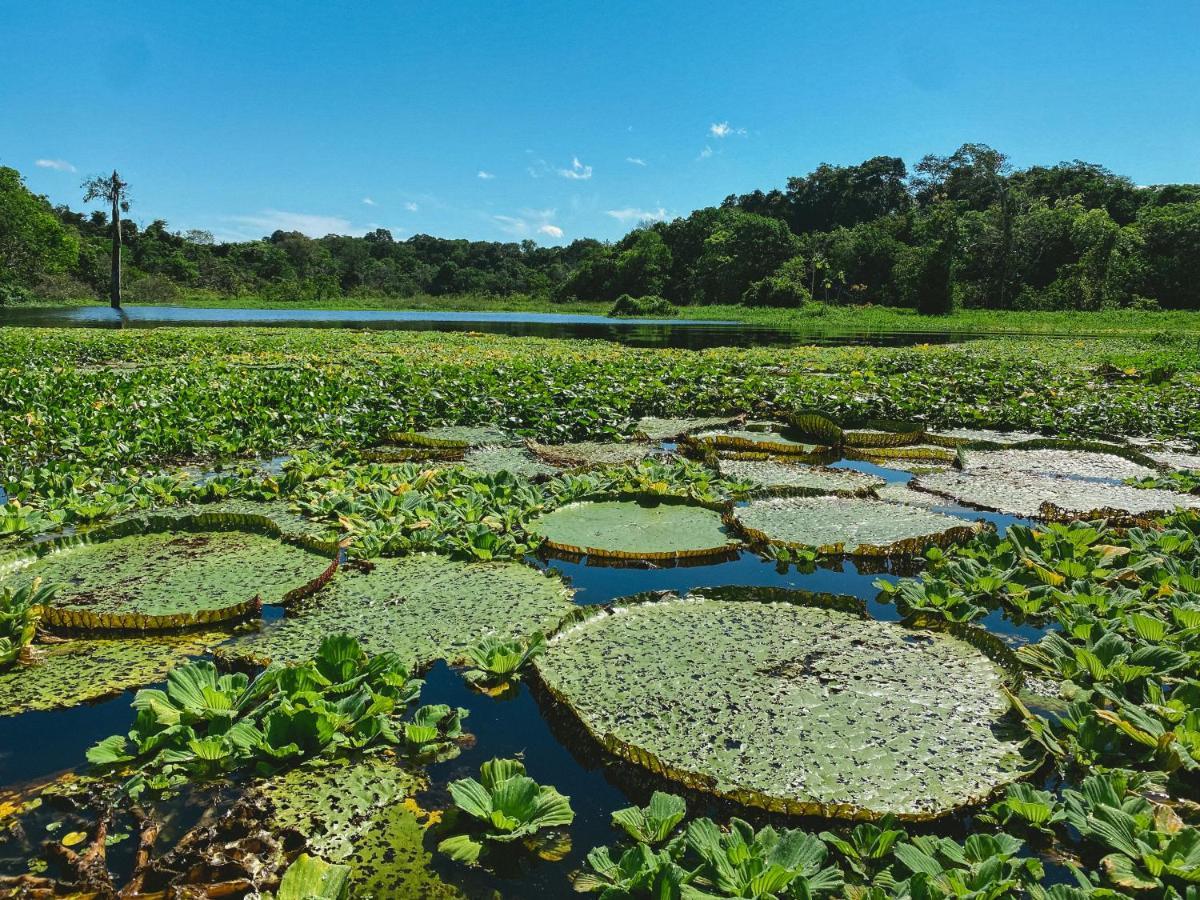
x: 11, y: 292
x: 58, y: 286
x: 781, y: 289
x: 151, y: 289
x: 1145, y: 304
x: 641, y: 306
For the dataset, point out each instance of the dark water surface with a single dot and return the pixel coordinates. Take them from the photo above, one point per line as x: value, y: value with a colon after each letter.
x: 39, y: 744
x: 678, y: 333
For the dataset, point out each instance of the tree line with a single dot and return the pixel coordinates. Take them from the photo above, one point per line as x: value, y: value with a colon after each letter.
x: 965, y: 230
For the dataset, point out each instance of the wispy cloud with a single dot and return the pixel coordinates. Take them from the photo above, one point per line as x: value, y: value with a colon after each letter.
x: 58, y: 165
x: 551, y: 230
x: 706, y: 152
x: 633, y: 214
x: 529, y: 222
x: 578, y: 171
x: 368, y: 201
x: 485, y: 175
x: 724, y: 129
x: 411, y: 207
x: 271, y: 220
x: 635, y: 160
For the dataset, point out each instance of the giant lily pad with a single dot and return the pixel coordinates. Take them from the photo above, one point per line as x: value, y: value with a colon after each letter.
x: 125, y: 578
x: 360, y: 815
x: 422, y: 606
x: 883, y: 434
x: 85, y: 669
x: 777, y: 476
x: 755, y: 437
x: 453, y: 437
x: 961, y: 437
x: 590, y: 453
x: 1069, y: 463
x: 855, y: 526
x: 630, y: 529
x: 1023, y: 494
x: 801, y: 709
x: 514, y: 460
x: 655, y: 429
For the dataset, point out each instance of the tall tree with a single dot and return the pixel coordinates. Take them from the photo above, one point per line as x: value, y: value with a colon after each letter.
x: 112, y: 190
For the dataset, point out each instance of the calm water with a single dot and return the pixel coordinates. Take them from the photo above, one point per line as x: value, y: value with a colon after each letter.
x: 686, y: 334
x: 35, y: 745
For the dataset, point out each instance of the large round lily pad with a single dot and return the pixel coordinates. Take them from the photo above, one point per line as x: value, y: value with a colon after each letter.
x: 590, y: 453
x: 1069, y: 463
x: 514, y: 460
x: 631, y: 529
x: 792, y: 708
x: 81, y: 670
x: 656, y: 429
x: 422, y: 606
x: 777, y: 476
x: 755, y: 437
x: 959, y: 437
x: 1023, y: 493
x: 161, y: 580
x: 850, y: 525
x: 453, y: 437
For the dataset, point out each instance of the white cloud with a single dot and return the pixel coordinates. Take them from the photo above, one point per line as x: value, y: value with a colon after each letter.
x: 633, y: 214
x: 706, y: 152
x: 529, y: 222
x: 724, y: 129
x: 369, y: 201
x: 486, y: 176
x: 551, y: 230
x: 578, y: 171
x: 270, y: 220
x: 635, y: 160
x: 411, y: 207
x: 58, y: 165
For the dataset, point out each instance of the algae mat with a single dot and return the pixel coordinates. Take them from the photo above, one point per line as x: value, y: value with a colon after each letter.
x: 792, y: 708
x: 182, y: 575
x: 422, y: 606
x: 628, y: 529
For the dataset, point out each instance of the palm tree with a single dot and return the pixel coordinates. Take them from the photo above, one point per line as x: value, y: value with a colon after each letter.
x: 111, y: 189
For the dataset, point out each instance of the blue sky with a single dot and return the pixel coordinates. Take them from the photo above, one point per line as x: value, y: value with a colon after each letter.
x: 554, y: 121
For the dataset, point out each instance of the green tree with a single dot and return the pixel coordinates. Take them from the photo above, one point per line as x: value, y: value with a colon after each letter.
x: 925, y: 272
x: 32, y: 239
x: 111, y: 190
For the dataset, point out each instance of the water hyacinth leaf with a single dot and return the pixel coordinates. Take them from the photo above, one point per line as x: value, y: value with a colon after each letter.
x: 584, y: 454
x: 422, y: 606
x: 792, y: 708
x: 164, y: 580
x: 781, y: 477
x: 628, y: 529
x: 310, y: 878
x: 854, y: 526
x: 1023, y: 494
x: 85, y: 669
x: 655, y: 429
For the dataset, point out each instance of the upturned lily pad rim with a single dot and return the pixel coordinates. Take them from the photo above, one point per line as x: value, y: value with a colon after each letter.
x: 85, y: 621
x: 985, y: 642
x: 911, y: 546
x: 881, y: 455
x: 701, y: 445
x: 573, y: 550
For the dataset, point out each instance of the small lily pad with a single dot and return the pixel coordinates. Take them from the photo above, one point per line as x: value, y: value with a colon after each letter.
x: 630, y: 529
x: 514, y: 460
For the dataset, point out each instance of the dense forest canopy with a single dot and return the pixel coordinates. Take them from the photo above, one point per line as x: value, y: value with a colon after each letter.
x: 965, y: 229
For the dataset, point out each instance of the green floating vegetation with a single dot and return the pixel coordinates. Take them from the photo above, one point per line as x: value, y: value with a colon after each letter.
x: 633, y: 529
x: 359, y: 814
x: 590, y: 453
x: 755, y: 437
x: 159, y: 580
x: 1063, y: 463
x: 653, y: 428
x: 76, y: 671
x: 781, y: 477
x: 849, y: 525
x: 423, y: 606
x: 514, y: 460
x: 452, y: 437
x: 1023, y: 494
x: 790, y: 702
